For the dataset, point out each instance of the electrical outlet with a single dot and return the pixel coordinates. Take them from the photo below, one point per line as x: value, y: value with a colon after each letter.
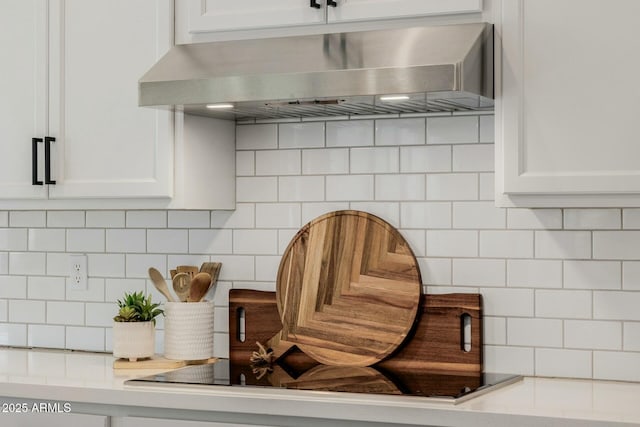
x: 78, y: 272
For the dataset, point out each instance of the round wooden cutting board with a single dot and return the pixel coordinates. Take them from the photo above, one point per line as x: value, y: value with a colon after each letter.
x: 348, y: 289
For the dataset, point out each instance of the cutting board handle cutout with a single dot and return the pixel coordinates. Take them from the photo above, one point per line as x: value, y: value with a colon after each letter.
x: 465, y: 332
x: 241, y: 326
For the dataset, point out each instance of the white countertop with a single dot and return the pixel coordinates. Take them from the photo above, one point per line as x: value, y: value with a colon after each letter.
x: 89, y: 382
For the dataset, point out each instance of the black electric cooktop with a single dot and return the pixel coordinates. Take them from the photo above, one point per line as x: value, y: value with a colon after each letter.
x: 372, y: 380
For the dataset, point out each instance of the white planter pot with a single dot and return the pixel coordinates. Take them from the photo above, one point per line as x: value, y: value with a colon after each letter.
x: 134, y: 340
x: 188, y: 330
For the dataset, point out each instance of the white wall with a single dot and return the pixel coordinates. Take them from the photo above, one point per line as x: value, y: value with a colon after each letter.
x: 560, y: 286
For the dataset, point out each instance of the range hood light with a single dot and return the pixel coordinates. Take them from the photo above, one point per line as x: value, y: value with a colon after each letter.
x: 219, y: 106
x: 394, y: 98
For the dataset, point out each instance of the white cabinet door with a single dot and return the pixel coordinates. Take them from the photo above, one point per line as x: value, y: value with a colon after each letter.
x: 223, y: 15
x: 23, y: 96
x: 566, y: 120
x: 106, y: 146
x: 356, y: 10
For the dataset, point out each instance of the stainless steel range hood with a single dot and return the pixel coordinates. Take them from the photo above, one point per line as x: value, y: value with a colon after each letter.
x: 410, y: 70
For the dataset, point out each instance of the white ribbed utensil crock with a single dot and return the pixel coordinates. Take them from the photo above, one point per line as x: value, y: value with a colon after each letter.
x: 188, y: 330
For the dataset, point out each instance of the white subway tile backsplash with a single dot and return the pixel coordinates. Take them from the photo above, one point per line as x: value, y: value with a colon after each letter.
x: 592, y: 219
x: 563, y: 304
x: 278, y: 215
x: 350, y: 133
x: 284, y: 238
x: 100, y: 313
x: 146, y: 219
x: 267, y: 268
x: 114, y: 289
x: 255, y: 242
x: 25, y: 311
x: 495, y: 330
x: 478, y: 272
x: 592, y: 274
x: 612, y: 305
x: 27, y: 219
x: 46, y: 288
x: 214, y: 241
x: 245, y: 163
x: 399, y: 187
x: 534, y: 332
x: 262, y: 189
x: 236, y: 267
x: 631, y: 219
x: 167, y: 241
x: 476, y: 215
x: 13, y: 287
x: 487, y: 186
x: 530, y: 273
x: 278, y: 162
x: 242, y: 217
x: 487, y: 124
x: 349, y: 187
x: 463, y: 186
x: 613, y: 365
x: 103, y: 265
x: 435, y: 271
x: 508, y: 302
x: 416, y: 240
x: 83, y: 338
x: 13, y: 239
x: 569, y: 363
x: 375, y: 160
x: 631, y: 336
x: 313, y: 210
x: 301, y: 135
x: 300, y: 189
x: 105, y: 219
x: 4, y: 219
x: 137, y: 265
x: 473, y: 158
x: 45, y: 336
x: 85, y: 240
x: 94, y: 291
x: 631, y: 275
x: 327, y: 161
x: 46, y: 239
x: 452, y: 243
x: 257, y: 137
x: 452, y: 130
x: 65, y: 313
x: 4, y: 263
x: 534, y: 218
x: 515, y: 360
x: 563, y: 244
x: 189, y: 219
x: 425, y: 215
x: 616, y: 245
x: 67, y: 219
x: 593, y: 334
x: 506, y: 244
x: 13, y: 334
x: 126, y: 240
x: 425, y: 159
x: 400, y: 131
x: 27, y: 263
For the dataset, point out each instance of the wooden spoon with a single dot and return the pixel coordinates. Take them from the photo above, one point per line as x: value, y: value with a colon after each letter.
x: 200, y: 284
x: 160, y: 284
x: 181, y: 285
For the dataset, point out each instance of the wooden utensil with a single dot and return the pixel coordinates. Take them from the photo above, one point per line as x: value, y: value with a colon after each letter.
x: 181, y: 285
x: 172, y: 273
x: 213, y: 268
x: 191, y: 270
x: 199, y: 286
x: 348, y: 290
x: 160, y: 284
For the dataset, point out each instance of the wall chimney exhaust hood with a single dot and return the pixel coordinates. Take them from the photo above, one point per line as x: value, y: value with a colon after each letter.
x: 410, y: 70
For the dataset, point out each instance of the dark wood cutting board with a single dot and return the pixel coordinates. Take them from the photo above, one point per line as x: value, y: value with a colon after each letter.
x: 348, y: 290
x: 434, y: 345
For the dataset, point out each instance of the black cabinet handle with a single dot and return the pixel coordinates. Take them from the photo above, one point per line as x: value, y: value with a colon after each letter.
x: 332, y: 3
x: 34, y: 161
x: 47, y: 159
x: 314, y: 4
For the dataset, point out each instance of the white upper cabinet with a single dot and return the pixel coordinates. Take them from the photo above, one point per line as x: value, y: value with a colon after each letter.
x: 23, y: 43
x: 567, y: 110
x: 207, y: 20
x: 357, y: 10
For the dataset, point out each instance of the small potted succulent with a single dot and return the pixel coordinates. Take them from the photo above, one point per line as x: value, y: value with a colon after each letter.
x: 134, y: 327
